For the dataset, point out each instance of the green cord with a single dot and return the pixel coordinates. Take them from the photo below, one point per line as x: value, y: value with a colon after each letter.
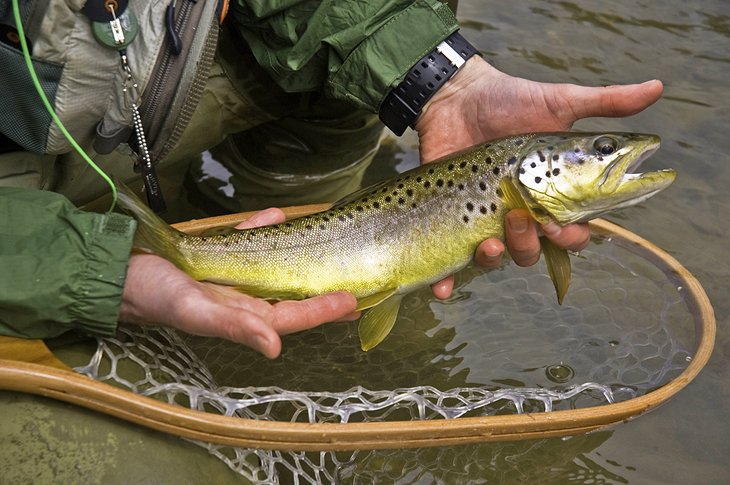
x: 37, y: 84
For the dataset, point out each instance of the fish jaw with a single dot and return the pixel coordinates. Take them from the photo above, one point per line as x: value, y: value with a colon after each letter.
x: 579, y: 176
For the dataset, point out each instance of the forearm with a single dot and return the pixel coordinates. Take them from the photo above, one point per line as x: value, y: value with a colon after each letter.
x: 60, y: 268
x: 350, y: 50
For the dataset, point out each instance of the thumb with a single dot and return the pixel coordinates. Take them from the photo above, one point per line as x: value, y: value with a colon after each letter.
x: 613, y: 101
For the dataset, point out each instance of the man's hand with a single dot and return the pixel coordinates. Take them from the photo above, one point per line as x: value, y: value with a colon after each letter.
x: 481, y: 103
x: 157, y: 292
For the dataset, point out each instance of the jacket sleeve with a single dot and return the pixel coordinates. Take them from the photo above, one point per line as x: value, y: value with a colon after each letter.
x: 347, y: 49
x: 60, y: 268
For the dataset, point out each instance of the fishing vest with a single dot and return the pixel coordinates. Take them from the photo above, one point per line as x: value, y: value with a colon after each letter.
x: 81, y: 72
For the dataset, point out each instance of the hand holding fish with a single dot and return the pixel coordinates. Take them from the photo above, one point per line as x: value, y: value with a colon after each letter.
x: 481, y: 103
x: 157, y: 292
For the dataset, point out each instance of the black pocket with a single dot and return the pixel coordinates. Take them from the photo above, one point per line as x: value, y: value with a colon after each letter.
x: 23, y: 118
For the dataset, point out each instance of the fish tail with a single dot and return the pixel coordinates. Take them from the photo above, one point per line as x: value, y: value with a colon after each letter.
x: 153, y: 235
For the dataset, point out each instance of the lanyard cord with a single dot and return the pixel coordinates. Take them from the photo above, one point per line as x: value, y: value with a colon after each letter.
x: 47, y: 104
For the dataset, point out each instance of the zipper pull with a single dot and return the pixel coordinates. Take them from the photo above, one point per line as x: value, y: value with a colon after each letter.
x: 155, y: 199
x: 175, y: 41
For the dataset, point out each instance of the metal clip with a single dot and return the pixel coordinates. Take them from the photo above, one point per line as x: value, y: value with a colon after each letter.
x: 116, y: 26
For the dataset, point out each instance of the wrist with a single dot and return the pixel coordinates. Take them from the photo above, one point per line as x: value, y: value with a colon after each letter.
x: 403, y: 104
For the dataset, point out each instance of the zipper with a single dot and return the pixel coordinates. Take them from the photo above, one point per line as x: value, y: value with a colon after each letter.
x: 162, y: 89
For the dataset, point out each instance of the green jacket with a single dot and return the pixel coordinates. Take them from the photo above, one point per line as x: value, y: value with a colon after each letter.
x: 62, y: 268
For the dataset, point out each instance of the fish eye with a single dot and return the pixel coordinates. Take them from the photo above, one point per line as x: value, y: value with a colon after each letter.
x: 605, y: 145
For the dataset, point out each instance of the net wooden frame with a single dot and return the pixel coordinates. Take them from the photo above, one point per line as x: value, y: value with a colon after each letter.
x: 29, y: 366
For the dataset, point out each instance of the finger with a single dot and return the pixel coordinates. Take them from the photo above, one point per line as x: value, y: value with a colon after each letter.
x: 489, y: 253
x: 574, y: 237
x: 265, y: 217
x: 199, y: 314
x: 295, y: 316
x: 442, y: 289
x: 613, y: 101
x: 521, y: 237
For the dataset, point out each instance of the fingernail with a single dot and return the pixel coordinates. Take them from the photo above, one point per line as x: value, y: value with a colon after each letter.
x: 551, y: 229
x: 518, y: 224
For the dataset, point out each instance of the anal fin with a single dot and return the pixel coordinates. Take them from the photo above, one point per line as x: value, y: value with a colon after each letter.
x: 377, y: 322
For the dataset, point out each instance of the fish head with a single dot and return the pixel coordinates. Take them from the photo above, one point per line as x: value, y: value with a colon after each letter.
x: 575, y: 177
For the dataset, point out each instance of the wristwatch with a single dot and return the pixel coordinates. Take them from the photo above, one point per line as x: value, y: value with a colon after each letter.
x: 404, y: 103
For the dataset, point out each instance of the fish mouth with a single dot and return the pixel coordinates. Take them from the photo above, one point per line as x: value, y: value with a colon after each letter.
x: 625, y: 186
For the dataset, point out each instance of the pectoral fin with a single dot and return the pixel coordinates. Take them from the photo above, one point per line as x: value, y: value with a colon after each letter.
x: 558, y: 266
x: 377, y: 322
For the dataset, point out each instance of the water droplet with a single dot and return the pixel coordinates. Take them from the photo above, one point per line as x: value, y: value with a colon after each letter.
x: 559, y: 373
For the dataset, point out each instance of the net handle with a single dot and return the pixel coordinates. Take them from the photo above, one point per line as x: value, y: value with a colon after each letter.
x: 28, y: 366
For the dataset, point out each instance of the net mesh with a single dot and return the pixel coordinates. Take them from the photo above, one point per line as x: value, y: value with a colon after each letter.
x: 623, y: 331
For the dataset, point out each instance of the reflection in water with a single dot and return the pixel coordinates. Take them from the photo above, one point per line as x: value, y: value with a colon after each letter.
x: 567, y: 460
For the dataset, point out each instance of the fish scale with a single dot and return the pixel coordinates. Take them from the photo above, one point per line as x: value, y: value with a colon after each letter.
x: 407, y: 232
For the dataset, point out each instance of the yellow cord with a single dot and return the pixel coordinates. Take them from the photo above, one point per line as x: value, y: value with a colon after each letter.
x: 47, y: 104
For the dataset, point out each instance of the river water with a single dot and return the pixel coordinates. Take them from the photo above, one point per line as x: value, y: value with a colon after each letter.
x: 687, y: 46
x: 684, y: 44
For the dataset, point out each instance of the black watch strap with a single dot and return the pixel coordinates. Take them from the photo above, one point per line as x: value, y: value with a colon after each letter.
x: 404, y: 103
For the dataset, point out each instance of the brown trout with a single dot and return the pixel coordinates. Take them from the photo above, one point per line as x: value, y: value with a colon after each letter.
x: 410, y: 231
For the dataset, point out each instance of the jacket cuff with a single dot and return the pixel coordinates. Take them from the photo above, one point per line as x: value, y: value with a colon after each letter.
x: 97, y: 290
x: 383, y: 59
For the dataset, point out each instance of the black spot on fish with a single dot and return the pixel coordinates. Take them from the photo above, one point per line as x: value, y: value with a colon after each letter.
x: 488, y: 160
x: 401, y: 201
x: 556, y: 171
x: 519, y: 141
x: 376, y: 205
x: 409, y: 192
x: 326, y: 219
x: 533, y: 165
x: 547, y: 174
x: 482, y: 186
x: 576, y: 150
x: 400, y: 186
x: 512, y: 161
x: 522, y: 170
x: 350, y: 215
x: 556, y: 157
x: 581, y: 161
x: 462, y: 165
x: 495, y: 170
x: 542, y: 157
x: 395, y: 193
x: 430, y: 170
x: 426, y: 184
x: 451, y: 166
x: 384, y: 190
x: 322, y: 226
x: 388, y: 199
x: 466, y: 219
x: 550, y: 147
x: 413, y: 205
x: 541, y: 140
x: 450, y: 183
x: 483, y: 210
x: 308, y: 227
x: 440, y: 183
x: 288, y: 224
x: 475, y: 168
x: 419, y: 179
x: 461, y: 186
x: 493, y: 206
x: 538, y: 180
x: 359, y: 208
x: 407, y: 177
x: 341, y: 218
x: 469, y: 206
x: 600, y: 159
x: 499, y: 192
